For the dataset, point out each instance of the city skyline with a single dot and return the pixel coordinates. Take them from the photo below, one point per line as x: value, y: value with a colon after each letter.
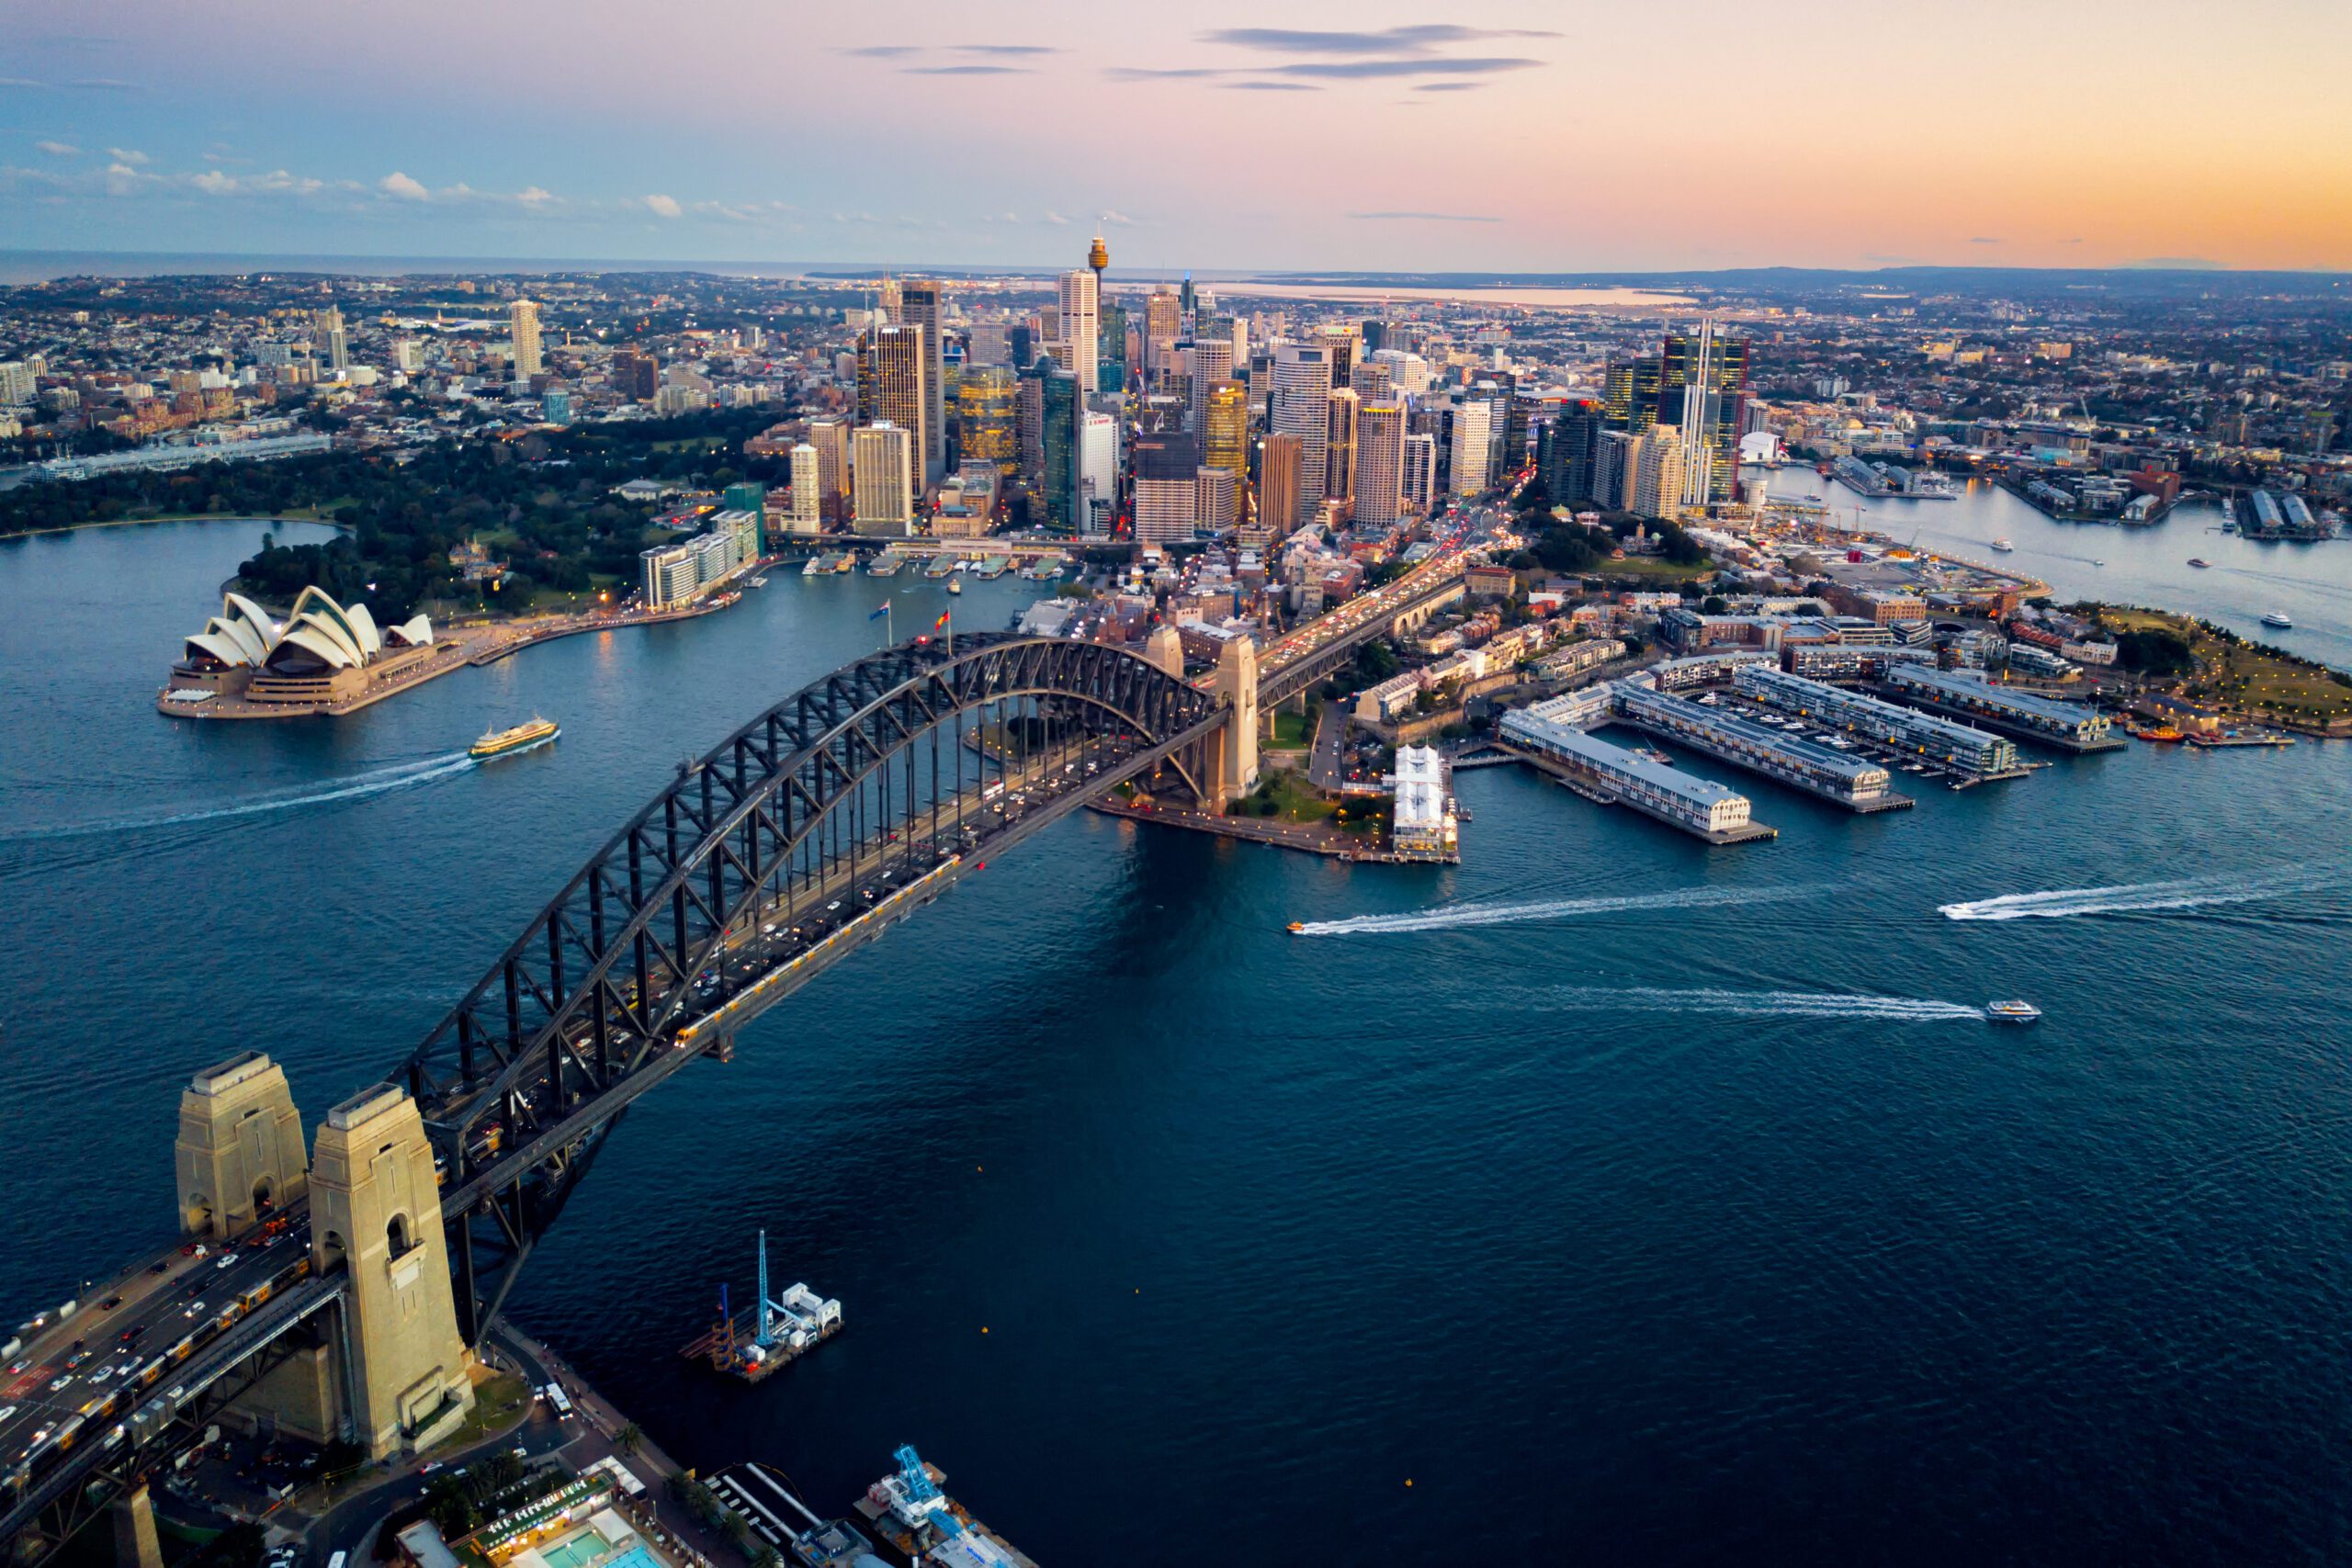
x: 1520, y: 139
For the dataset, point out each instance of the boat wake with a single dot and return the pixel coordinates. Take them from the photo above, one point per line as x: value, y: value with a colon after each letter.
x: 377, y: 781
x: 2188, y: 892
x: 1766, y: 1004
x: 1558, y: 909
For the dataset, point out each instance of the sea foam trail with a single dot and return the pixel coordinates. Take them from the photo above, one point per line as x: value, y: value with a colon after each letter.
x: 376, y: 781
x: 2188, y: 892
x: 1765, y: 1004
x: 1551, y: 910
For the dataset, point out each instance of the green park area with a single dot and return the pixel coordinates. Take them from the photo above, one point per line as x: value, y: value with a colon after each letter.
x: 2212, y: 664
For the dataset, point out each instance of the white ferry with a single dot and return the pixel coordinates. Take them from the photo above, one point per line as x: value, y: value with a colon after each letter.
x: 2003, y: 545
x: 2012, y: 1012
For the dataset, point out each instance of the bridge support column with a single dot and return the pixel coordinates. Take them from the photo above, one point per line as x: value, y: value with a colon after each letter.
x: 135, y: 1542
x: 1164, y: 651
x: 1236, y: 682
x: 238, y: 1153
x: 376, y: 1214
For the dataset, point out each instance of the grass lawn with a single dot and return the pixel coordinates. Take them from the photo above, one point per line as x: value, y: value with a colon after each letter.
x: 2243, y: 676
x: 1649, y: 570
x: 1293, y: 731
x: 1293, y: 799
x: 499, y: 1400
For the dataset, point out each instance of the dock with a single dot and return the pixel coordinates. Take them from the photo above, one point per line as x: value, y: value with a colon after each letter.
x: 911, y: 1509
x: 1601, y: 793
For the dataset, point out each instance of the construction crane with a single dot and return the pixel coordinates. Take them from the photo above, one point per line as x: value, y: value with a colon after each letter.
x: 922, y: 1491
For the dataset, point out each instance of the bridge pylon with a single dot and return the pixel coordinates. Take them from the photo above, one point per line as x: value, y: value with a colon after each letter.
x: 1236, y: 682
x: 376, y: 1214
x: 239, y: 1153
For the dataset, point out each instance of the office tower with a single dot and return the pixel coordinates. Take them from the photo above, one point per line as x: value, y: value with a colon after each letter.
x: 1209, y: 364
x: 1525, y: 414
x: 1261, y: 379
x: 1408, y: 373
x: 407, y: 357
x: 1376, y: 334
x: 1021, y: 344
x: 986, y: 421
x: 1188, y: 309
x: 1612, y: 459
x: 1660, y: 474
x: 891, y: 383
x: 1345, y: 351
x: 1379, y: 488
x: 883, y: 471
x: 1224, y: 428
x: 1098, y: 472
x: 1281, y: 459
x: 808, y: 514
x: 1029, y: 427
x: 1340, y: 445
x: 888, y: 302
x: 1420, y: 471
x: 522, y: 327
x: 1374, y: 381
x: 327, y: 339
x: 1300, y: 404
x: 636, y: 375
x: 831, y: 438
x: 557, y: 406
x: 919, y: 305
x: 1472, y: 442
x: 1081, y: 327
x: 1167, y: 471
x: 1160, y: 322
x: 1111, y: 357
x: 1703, y: 389
x: 1059, y: 405
x: 1566, y: 450
x: 1217, y: 503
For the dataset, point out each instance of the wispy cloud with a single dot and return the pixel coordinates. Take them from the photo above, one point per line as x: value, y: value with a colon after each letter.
x: 663, y: 206
x: 127, y: 156
x: 1450, y: 87
x: 1164, y: 73
x: 104, y: 85
x: 1419, y: 39
x: 1424, y: 218
x: 885, y: 50
x: 58, y: 149
x: 401, y: 187
x: 1024, y: 50
x: 967, y: 70
x: 20, y: 82
x: 1984, y: 240
x: 1472, y: 65
x: 1058, y: 219
x: 1268, y: 87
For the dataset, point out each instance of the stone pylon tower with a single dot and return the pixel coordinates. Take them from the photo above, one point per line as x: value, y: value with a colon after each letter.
x: 1164, y: 651
x: 1236, y: 682
x: 238, y: 1153
x: 376, y: 1214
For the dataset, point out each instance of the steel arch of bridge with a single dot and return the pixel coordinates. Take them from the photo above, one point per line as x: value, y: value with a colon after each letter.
x: 596, y: 1000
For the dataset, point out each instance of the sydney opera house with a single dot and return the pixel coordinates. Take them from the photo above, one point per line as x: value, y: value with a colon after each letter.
x: 323, y: 652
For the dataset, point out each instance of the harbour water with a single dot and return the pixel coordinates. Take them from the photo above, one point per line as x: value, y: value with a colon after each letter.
x: 1604, y: 1197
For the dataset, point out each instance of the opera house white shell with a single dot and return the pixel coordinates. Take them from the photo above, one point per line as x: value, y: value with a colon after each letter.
x: 318, y: 634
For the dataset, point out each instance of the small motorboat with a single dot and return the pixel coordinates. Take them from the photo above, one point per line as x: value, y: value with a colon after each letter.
x: 2199, y: 560
x: 2276, y: 619
x: 2003, y: 545
x: 2012, y: 1011
x: 1297, y: 928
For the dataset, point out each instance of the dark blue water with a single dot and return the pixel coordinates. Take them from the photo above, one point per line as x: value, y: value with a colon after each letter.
x: 1708, y: 1228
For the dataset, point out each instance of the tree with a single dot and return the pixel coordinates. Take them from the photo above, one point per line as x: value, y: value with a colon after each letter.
x: 628, y: 1437
x: 1714, y: 605
x: 450, y: 1507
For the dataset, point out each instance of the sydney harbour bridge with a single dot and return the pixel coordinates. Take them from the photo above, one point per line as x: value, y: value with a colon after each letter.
x: 345, y: 1286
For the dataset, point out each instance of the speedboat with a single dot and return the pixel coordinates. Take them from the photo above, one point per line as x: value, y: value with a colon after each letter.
x: 954, y: 585
x: 2199, y: 560
x: 1297, y: 927
x: 2003, y: 545
x: 2276, y: 619
x: 2012, y: 1012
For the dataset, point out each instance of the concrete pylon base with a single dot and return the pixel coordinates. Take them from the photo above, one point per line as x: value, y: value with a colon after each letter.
x: 135, y: 1542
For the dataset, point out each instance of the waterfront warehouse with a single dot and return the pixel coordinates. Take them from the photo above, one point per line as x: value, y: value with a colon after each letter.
x: 1853, y: 781
x: 2076, y: 726
x: 1424, y: 818
x: 1974, y: 751
x: 1696, y: 804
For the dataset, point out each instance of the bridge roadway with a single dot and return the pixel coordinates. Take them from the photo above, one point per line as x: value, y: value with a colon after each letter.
x: 1295, y: 660
x: 185, y: 1334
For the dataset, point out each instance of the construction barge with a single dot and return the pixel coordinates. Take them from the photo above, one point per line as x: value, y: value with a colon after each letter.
x: 775, y: 1332
x: 910, y: 1509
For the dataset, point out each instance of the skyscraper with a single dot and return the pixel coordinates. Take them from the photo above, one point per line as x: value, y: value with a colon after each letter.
x: 1373, y: 380
x: 1081, y: 326
x: 1473, y: 440
x: 1059, y: 405
x: 891, y: 383
x: 1098, y: 472
x: 1112, y: 356
x: 1340, y: 339
x: 1340, y: 445
x: 1380, y: 464
x: 831, y: 438
x: 1281, y: 456
x: 1420, y: 471
x: 919, y: 305
x: 883, y: 469
x: 1225, y: 429
x: 806, y: 515
x: 1166, y: 480
x: 327, y: 339
x: 523, y: 326
x: 1299, y: 404
x: 1565, y: 449
x: 1209, y: 364
x: 985, y: 402
x: 1703, y: 389
x: 1161, y: 320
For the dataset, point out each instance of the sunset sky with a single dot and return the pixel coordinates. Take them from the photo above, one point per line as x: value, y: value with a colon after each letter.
x: 1512, y: 136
